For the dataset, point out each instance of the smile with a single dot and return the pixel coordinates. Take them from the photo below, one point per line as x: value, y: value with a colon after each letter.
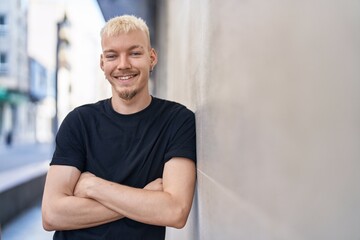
x: 126, y: 77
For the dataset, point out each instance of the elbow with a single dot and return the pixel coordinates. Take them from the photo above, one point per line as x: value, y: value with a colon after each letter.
x: 179, y: 218
x: 47, y: 226
x: 48, y: 221
x: 179, y: 224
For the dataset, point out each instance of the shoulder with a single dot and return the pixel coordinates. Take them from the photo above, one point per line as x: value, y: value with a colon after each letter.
x: 173, y: 108
x: 85, y: 112
x: 175, y: 114
x: 92, y: 107
x: 89, y: 109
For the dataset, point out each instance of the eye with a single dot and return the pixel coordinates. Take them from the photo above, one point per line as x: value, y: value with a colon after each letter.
x: 110, y: 56
x: 135, y: 53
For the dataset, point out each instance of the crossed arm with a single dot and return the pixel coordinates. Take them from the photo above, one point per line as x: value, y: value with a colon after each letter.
x: 73, y: 200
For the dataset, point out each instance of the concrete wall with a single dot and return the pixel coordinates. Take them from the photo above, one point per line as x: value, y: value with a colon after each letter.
x: 275, y: 87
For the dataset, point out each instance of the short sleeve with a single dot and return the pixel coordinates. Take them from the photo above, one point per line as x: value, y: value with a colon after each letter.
x: 183, y: 140
x: 70, y: 146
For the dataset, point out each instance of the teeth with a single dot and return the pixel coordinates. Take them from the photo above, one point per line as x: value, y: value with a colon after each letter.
x: 125, y: 77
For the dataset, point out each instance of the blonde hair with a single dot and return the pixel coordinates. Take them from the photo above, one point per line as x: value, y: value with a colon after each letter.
x: 124, y: 24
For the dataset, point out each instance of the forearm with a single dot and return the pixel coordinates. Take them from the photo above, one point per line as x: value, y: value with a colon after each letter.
x: 70, y: 212
x: 165, y: 202
x: 151, y: 207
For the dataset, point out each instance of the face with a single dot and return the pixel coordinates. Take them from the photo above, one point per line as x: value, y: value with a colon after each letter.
x: 127, y: 60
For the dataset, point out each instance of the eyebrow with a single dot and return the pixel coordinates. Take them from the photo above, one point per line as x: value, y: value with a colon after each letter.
x: 136, y: 46
x: 129, y: 49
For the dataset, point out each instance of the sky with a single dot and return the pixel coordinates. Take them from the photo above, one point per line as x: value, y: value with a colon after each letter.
x: 85, y: 79
x: 43, y: 15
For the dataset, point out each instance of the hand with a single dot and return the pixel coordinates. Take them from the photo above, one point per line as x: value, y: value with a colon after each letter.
x: 155, y: 185
x: 83, y: 184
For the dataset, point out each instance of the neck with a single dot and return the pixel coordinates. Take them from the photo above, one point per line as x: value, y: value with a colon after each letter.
x: 136, y: 104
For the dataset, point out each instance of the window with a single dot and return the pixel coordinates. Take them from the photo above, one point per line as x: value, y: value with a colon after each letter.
x: 3, y: 63
x: 2, y: 19
x: 3, y: 58
x: 3, y: 24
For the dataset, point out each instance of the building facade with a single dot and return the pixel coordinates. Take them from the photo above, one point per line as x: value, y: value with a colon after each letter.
x: 14, y: 70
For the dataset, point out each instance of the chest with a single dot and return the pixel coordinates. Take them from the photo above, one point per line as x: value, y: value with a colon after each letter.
x: 131, y: 154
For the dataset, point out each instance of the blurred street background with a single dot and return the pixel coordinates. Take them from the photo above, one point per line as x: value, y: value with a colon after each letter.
x: 274, y: 86
x: 18, y: 164
x: 49, y: 64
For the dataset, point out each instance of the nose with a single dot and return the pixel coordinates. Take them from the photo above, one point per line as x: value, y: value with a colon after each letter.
x: 123, y: 63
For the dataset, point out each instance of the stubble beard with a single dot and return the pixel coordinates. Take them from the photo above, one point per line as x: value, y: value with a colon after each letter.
x: 127, y: 95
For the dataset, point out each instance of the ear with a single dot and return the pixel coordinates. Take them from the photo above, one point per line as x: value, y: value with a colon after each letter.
x: 102, y: 62
x: 153, y: 58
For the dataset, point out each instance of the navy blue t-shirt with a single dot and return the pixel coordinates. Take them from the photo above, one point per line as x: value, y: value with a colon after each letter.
x: 127, y: 149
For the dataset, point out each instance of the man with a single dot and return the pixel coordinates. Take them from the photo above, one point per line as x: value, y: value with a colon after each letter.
x: 124, y: 167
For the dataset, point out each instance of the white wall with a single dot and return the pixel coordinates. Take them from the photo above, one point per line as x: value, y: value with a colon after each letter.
x: 275, y: 87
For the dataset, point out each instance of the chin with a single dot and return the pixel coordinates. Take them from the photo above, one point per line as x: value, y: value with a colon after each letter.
x: 127, y: 95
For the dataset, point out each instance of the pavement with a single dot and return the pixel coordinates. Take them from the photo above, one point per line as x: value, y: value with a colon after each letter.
x: 26, y: 157
x: 22, y: 154
x: 27, y: 226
